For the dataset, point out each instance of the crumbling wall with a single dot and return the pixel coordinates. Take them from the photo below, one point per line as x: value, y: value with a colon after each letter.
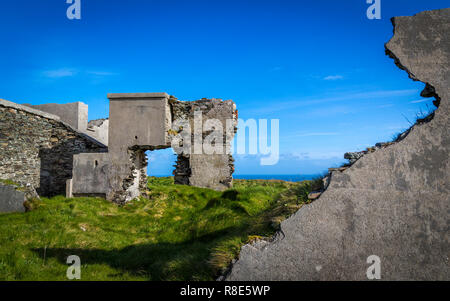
x: 15, y: 197
x: 137, y: 122
x: 38, y: 148
x: 210, y: 170
x: 147, y: 121
x: 393, y: 202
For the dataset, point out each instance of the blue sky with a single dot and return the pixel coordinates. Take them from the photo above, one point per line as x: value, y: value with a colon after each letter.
x: 317, y: 66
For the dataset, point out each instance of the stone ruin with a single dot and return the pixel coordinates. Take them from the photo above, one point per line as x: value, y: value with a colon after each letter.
x: 145, y: 121
x: 54, y: 148
x: 392, y: 202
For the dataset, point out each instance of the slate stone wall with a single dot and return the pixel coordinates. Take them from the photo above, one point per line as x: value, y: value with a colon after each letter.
x: 39, y: 150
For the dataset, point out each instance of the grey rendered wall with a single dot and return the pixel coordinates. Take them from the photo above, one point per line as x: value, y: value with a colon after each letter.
x: 74, y: 114
x: 90, y: 174
x: 137, y: 122
x: 392, y: 203
x: 99, y: 130
x: 11, y: 199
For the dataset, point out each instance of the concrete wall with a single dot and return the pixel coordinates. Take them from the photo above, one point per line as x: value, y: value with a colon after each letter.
x: 99, y: 130
x: 138, y: 119
x: 90, y: 174
x: 206, y: 170
x: 137, y: 122
x: 37, y: 148
x: 143, y: 121
x: 11, y: 199
x: 75, y: 114
x: 392, y: 203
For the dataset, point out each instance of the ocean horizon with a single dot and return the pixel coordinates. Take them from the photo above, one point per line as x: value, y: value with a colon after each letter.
x: 290, y: 178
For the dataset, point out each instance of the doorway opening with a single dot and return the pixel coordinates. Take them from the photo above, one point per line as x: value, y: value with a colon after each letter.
x: 161, y: 162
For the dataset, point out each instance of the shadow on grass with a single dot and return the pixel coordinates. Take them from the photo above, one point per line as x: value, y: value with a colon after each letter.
x: 159, y: 261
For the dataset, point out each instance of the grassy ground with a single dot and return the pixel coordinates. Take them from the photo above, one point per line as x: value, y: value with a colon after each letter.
x: 175, y: 232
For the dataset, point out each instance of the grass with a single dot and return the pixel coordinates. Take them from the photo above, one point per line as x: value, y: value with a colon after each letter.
x: 9, y: 182
x: 174, y: 232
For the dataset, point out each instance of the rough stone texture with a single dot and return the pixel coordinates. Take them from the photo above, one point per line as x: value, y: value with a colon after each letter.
x: 98, y: 129
x: 37, y: 148
x: 144, y: 121
x: 206, y: 170
x: 392, y: 202
x: 75, y: 114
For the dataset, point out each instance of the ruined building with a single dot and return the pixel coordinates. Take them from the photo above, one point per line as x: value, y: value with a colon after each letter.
x: 55, y: 149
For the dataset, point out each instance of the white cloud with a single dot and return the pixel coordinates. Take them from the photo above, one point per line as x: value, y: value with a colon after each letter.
x: 296, y: 156
x: 276, y: 68
x: 58, y: 73
x: 333, y: 77
x: 68, y: 72
x: 101, y: 73
x: 313, y: 155
x: 386, y: 106
x: 302, y: 102
x: 312, y: 134
x: 419, y: 100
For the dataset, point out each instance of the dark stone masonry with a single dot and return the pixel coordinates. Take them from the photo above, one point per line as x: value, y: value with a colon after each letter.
x: 38, y: 149
x: 55, y: 157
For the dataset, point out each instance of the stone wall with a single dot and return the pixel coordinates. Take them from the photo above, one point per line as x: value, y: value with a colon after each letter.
x: 38, y: 148
x: 206, y: 170
x: 139, y: 122
x: 392, y: 202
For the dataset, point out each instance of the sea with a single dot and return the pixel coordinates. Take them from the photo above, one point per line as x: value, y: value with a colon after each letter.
x: 290, y: 178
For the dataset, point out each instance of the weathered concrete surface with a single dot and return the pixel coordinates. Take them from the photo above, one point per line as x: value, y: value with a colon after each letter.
x: 137, y: 122
x: 393, y: 203
x: 145, y: 121
x: 99, y: 130
x: 90, y: 174
x: 210, y: 171
x: 209, y: 168
x: 138, y: 119
x: 75, y: 114
x: 11, y: 199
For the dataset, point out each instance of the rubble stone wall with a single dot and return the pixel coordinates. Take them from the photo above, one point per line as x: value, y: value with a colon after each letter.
x: 37, y: 148
x: 206, y: 170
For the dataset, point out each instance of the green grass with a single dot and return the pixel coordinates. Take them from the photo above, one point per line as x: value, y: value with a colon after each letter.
x: 174, y: 232
x: 9, y: 182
